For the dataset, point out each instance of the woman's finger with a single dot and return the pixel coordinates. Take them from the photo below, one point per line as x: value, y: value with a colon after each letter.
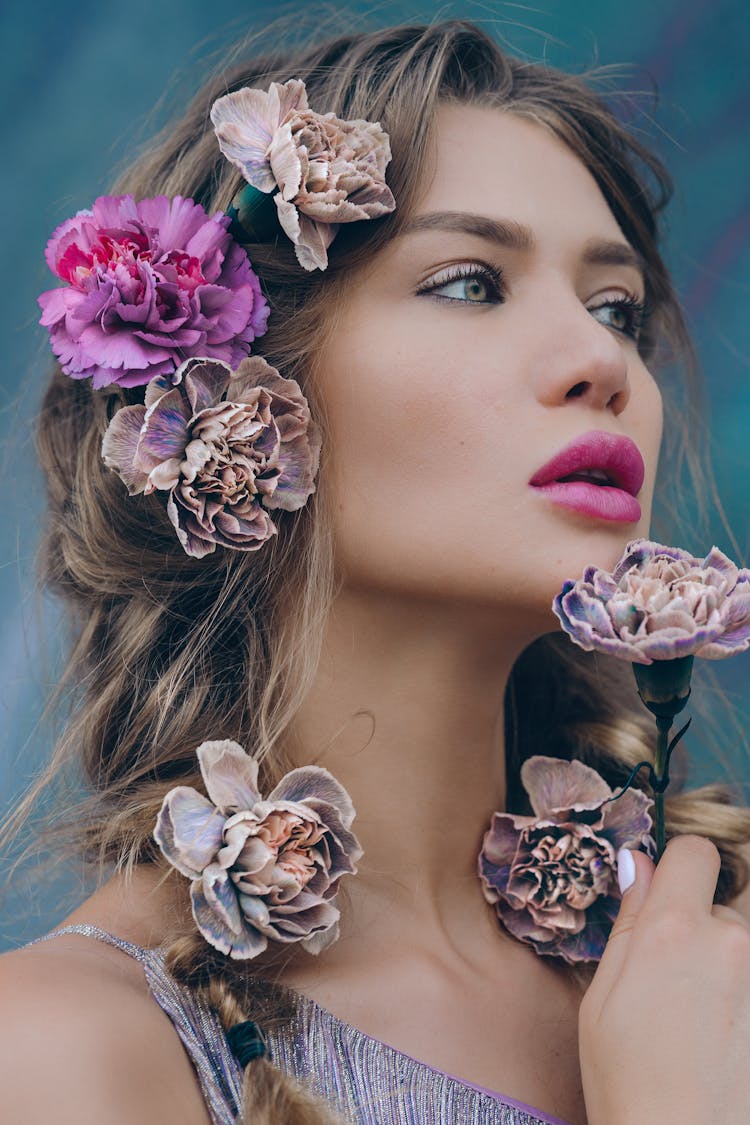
x: 685, y: 877
x: 638, y: 865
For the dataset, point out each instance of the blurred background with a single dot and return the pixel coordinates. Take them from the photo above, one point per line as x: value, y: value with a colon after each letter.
x: 84, y: 84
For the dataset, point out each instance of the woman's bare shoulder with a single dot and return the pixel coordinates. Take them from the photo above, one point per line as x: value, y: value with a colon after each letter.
x: 82, y: 1039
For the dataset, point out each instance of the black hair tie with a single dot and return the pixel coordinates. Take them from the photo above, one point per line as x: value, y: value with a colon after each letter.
x: 247, y: 1042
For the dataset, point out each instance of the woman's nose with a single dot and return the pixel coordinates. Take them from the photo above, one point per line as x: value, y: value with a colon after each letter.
x: 584, y: 360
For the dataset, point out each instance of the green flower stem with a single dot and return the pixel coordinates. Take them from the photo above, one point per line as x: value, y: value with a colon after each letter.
x: 659, y: 777
x: 664, y: 687
x: 663, y: 724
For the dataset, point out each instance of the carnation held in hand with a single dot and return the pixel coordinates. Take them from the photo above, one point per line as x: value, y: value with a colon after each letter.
x: 659, y: 603
x: 262, y: 869
x: 552, y: 878
x: 328, y: 171
x: 226, y: 446
x: 148, y: 284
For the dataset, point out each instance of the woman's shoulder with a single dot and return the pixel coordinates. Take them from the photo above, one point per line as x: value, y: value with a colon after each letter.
x: 81, y: 1038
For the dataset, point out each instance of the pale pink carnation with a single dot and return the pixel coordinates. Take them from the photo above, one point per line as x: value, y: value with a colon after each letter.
x: 659, y: 603
x: 328, y: 171
x: 262, y: 869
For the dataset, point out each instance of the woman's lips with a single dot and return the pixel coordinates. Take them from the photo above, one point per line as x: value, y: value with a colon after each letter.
x: 614, y: 456
x: 599, y: 500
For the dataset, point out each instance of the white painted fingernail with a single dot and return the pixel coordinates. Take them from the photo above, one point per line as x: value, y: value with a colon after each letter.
x: 625, y: 869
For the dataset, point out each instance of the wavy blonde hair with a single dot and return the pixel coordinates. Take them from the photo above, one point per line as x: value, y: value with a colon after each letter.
x: 170, y: 651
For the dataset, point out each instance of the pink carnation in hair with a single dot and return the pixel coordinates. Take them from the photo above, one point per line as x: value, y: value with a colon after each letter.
x: 148, y: 284
x: 226, y: 446
x: 262, y: 868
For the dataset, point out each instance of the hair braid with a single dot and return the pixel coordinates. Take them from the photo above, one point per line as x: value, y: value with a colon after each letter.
x: 269, y: 1096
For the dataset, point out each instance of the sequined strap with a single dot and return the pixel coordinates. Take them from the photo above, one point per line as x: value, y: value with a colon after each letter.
x: 87, y: 930
x: 197, y: 1025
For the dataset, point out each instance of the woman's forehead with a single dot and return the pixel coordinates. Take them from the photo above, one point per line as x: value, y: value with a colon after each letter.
x: 492, y: 162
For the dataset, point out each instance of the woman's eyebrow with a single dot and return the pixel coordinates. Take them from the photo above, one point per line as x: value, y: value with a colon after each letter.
x: 516, y: 236
x: 506, y: 232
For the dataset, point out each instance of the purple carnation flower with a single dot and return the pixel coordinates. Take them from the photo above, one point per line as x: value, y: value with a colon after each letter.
x: 225, y: 445
x: 552, y: 877
x: 148, y: 285
x: 659, y: 603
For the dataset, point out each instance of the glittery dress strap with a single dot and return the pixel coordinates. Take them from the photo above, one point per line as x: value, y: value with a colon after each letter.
x: 197, y: 1025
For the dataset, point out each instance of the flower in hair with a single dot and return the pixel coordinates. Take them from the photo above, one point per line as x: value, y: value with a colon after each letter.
x: 659, y: 603
x: 262, y: 868
x: 148, y: 284
x: 327, y: 171
x: 227, y: 447
x: 552, y: 877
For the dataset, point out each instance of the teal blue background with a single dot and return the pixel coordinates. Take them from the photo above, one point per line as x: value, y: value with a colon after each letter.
x: 80, y: 83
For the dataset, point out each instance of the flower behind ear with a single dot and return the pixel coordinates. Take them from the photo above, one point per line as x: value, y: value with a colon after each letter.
x: 226, y: 446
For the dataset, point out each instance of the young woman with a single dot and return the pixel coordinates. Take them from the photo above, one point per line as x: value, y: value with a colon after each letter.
x: 393, y: 629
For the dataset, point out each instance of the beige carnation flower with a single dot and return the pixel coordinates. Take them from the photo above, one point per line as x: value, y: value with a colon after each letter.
x: 261, y: 868
x: 328, y: 171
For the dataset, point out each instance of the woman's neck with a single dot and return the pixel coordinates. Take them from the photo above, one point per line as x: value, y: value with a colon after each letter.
x: 407, y: 712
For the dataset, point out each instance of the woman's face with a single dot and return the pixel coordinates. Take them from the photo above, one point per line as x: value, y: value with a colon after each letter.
x: 446, y: 394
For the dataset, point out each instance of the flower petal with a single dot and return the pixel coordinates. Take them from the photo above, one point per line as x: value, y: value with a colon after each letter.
x: 120, y: 444
x: 246, y: 944
x: 500, y: 844
x: 321, y: 940
x: 314, y: 781
x: 230, y: 775
x: 245, y: 122
x: 205, y: 382
x: 556, y: 783
x: 221, y: 896
x: 165, y: 429
x: 188, y: 830
x: 627, y: 820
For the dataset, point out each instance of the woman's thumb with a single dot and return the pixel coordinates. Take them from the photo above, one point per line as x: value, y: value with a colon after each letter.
x: 634, y: 873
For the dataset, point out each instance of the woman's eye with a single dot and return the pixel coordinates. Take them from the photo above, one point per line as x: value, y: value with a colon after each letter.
x: 470, y: 285
x: 624, y: 314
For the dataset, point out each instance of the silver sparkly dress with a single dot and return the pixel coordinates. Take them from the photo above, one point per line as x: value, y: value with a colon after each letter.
x: 367, y: 1081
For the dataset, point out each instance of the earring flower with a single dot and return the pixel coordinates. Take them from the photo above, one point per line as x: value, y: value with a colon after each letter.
x: 552, y: 877
x: 226, y: 446
x: 261, y: 869
x: 659, y: 609
x: 327, y: 171
x: 148, y: 284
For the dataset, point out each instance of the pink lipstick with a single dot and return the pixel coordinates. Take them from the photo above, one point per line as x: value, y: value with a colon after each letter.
x: 598, y: 474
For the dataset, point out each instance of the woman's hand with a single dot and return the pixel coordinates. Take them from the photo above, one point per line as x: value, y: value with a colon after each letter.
x: 664, y: 1028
